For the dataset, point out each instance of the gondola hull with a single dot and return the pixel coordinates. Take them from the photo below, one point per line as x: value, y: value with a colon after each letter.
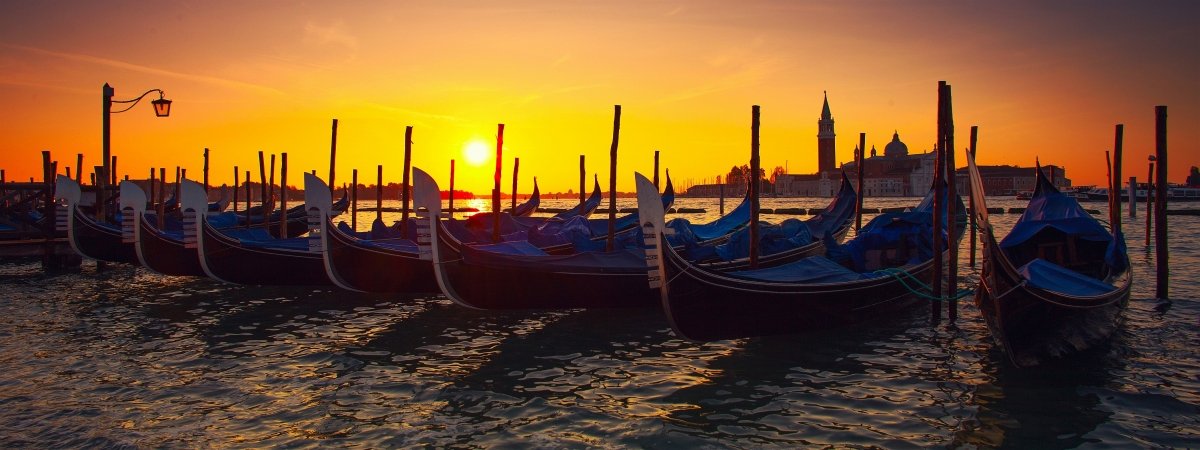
x: 93, y: 240
x: 502, y: 286
x: 706, y: 306
x: 360, y: 266
x: 228, y: 260
x: 1065, y: 298
x: 164, y: 254
x: 1034, y: 325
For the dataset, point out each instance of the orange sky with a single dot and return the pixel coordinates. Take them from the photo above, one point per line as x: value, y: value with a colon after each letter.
x: 1039, y: 80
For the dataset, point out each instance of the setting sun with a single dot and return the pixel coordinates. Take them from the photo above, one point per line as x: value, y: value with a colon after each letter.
x: 476, y: 153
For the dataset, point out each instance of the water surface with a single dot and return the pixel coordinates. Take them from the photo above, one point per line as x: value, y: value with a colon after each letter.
x: 123, y: 357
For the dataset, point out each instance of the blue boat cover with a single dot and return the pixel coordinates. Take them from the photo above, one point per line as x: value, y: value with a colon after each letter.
x: 1051, y: 209
x: 345, y: 229
x: 1048, y: 276
x: 511, y: 248
x: 261, y: 238
x: 686, y: 231
x: 1055, y: 210
x: 620, y: 261
x: 814, y: 269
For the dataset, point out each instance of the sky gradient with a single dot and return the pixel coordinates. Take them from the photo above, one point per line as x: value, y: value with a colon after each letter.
x: 1040, y: 80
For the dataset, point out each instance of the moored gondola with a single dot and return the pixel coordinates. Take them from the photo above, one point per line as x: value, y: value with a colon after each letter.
x: 87, y: 235
x: 366, y: 265
x: 531, y: 204
x: 164, y: 252
x: 251, y: 255
x: 1056, y: 284
x: 881, y: 266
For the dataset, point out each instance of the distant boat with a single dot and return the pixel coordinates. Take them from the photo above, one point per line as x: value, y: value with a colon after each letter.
x: 1175, y: 193
x: 884, y: 262
x: 1056, y: 284
x: 1024, y: 195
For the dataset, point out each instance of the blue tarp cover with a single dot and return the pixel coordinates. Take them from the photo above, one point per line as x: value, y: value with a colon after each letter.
x: 814, y: 269
x: 1048, y: 276
x: 621, y: 261
x: 1051, y: 208
x: 260, y: 238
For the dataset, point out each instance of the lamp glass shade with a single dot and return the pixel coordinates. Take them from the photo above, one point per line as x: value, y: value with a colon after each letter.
x: 162, y: 107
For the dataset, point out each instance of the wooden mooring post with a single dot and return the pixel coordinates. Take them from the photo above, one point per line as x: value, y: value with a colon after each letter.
x: 405, y: 186
x: 1115, y: 188
x: 861, y: 155
x: 354, y: 199
x: 333, y: 156
x: 656, y: 168
x: 247, y: 199
x: 451, y: 205
x: 262, y: 188
x: 283, y: 198
x: 582, y: 182
x: 939, y: 176
x: 610, y: 242
x: 205, y: 169
x: 516, y: 170
x: 379, y: 193
x: 1161, y: 261
x: 236, y: 185
x: 496, y: 184
x: 1150, y: 201
x: 971, y: 203
x: 951, y: 210
x: 753, y: 185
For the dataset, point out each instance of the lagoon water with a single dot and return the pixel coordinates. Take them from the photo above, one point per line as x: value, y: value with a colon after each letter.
x: 127, y: 358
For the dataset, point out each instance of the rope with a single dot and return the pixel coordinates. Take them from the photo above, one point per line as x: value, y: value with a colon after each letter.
x: 907, y: 280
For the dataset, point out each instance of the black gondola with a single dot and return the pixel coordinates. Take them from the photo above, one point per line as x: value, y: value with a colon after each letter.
x: 160, y: 251
x: 806, y: 294
x: 517, y: 275
x: 531, y: 204
x: 252, y: 256
x: 88, y: 236
x: 364, y: 265
x: 1056, y: 284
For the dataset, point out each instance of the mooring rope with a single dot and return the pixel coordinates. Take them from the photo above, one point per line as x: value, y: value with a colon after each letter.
x: 907, y: 280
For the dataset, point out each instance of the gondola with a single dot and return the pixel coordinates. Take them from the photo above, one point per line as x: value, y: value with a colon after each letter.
x: 366, y: 265
x: 164, y: 252
x: 1056, y: 284
x: 809, y: 293
x: 518, y: 275
x: 87, y: 235
x: 478, y: 227
x: 252, y: 255
x: 586, y: 208
x: 578, y: 234
x: 531, y: 204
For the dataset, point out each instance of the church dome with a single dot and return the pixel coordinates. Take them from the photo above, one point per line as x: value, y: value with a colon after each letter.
x: 895, y: 148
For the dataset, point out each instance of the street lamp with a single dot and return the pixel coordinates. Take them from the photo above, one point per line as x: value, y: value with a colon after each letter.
x: 162, y: 108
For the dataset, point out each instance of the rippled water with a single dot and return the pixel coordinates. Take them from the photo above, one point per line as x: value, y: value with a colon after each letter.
x: 123, y: 357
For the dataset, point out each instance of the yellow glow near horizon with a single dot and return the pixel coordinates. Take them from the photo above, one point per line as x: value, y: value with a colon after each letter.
x: 476, y: 153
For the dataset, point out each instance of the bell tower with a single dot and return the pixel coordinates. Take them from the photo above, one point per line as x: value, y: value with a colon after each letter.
x: 826, y: 156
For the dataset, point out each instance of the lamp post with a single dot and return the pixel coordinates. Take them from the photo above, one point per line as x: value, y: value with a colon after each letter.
x: 162, y: 108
